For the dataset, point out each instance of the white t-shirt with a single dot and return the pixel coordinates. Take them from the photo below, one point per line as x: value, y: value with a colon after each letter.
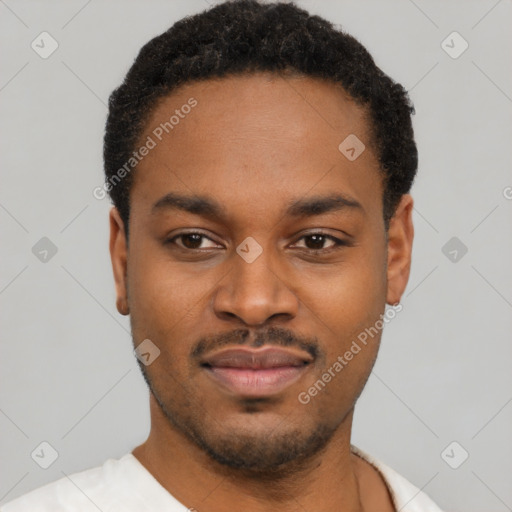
x: 126, y: 485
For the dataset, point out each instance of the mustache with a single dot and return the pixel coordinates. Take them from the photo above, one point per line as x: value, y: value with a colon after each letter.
x: 274, y: 336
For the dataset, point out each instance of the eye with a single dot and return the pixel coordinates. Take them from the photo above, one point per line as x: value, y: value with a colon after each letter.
x: 312, y: 242
x: 193, y: 241
x: 318, y: 242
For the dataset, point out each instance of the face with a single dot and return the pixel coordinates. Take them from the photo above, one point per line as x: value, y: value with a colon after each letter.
x: 257, y: 255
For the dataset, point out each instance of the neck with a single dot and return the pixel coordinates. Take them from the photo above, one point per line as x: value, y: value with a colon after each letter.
x: 327, y: 482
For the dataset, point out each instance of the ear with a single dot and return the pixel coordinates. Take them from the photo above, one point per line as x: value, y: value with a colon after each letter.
x: 400, y: 237
x: 119, y: 258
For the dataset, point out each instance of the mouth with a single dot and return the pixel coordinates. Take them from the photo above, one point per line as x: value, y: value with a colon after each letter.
x: 256, y: 373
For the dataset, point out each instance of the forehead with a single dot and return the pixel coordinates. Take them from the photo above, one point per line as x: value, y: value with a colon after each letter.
x: 261, y: 103
x: 256, y: 134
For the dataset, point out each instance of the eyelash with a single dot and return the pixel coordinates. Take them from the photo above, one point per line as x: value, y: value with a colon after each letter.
x: 337, y: 242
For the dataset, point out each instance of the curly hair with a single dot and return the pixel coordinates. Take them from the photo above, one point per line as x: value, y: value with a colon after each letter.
x: 246, y: 36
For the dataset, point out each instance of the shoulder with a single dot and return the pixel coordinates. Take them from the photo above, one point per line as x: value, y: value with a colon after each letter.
x: 406, y: 496
x: 81, y: 492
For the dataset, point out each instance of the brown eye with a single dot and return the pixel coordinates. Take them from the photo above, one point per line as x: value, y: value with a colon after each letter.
x: 193, y: 241
x: 318, y: 242
x: 315, y: 241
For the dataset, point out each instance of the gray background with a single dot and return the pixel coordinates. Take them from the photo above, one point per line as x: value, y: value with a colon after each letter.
x: 68, y: 375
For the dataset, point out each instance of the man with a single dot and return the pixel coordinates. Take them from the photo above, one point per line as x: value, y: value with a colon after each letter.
x: 260, y: 166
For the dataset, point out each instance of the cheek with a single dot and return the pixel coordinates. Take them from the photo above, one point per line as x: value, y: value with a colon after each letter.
x: 346, y: 312
x: 167, y: 299
x: 156, y: 285
x: 349, y: 296
x: 345, y: 306
x: 157, y: 298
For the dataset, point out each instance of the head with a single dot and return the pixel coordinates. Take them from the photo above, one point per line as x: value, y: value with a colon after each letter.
x: 260, y: 165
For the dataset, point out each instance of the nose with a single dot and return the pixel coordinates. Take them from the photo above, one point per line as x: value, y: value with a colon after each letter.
x: 254, y: 293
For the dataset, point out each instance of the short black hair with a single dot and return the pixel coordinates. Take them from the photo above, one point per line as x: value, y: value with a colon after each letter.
x: 247, y: 36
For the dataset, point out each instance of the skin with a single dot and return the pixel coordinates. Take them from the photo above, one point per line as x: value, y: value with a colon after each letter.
x: 254, y: 144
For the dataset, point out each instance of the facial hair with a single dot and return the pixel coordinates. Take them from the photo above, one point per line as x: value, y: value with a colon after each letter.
x: 287, y: 449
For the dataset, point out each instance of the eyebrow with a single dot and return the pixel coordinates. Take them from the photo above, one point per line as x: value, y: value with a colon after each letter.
x: 206, y: 207
x: 319, y: 205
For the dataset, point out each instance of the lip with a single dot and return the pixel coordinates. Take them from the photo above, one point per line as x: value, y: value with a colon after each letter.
x: 256, y: 373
